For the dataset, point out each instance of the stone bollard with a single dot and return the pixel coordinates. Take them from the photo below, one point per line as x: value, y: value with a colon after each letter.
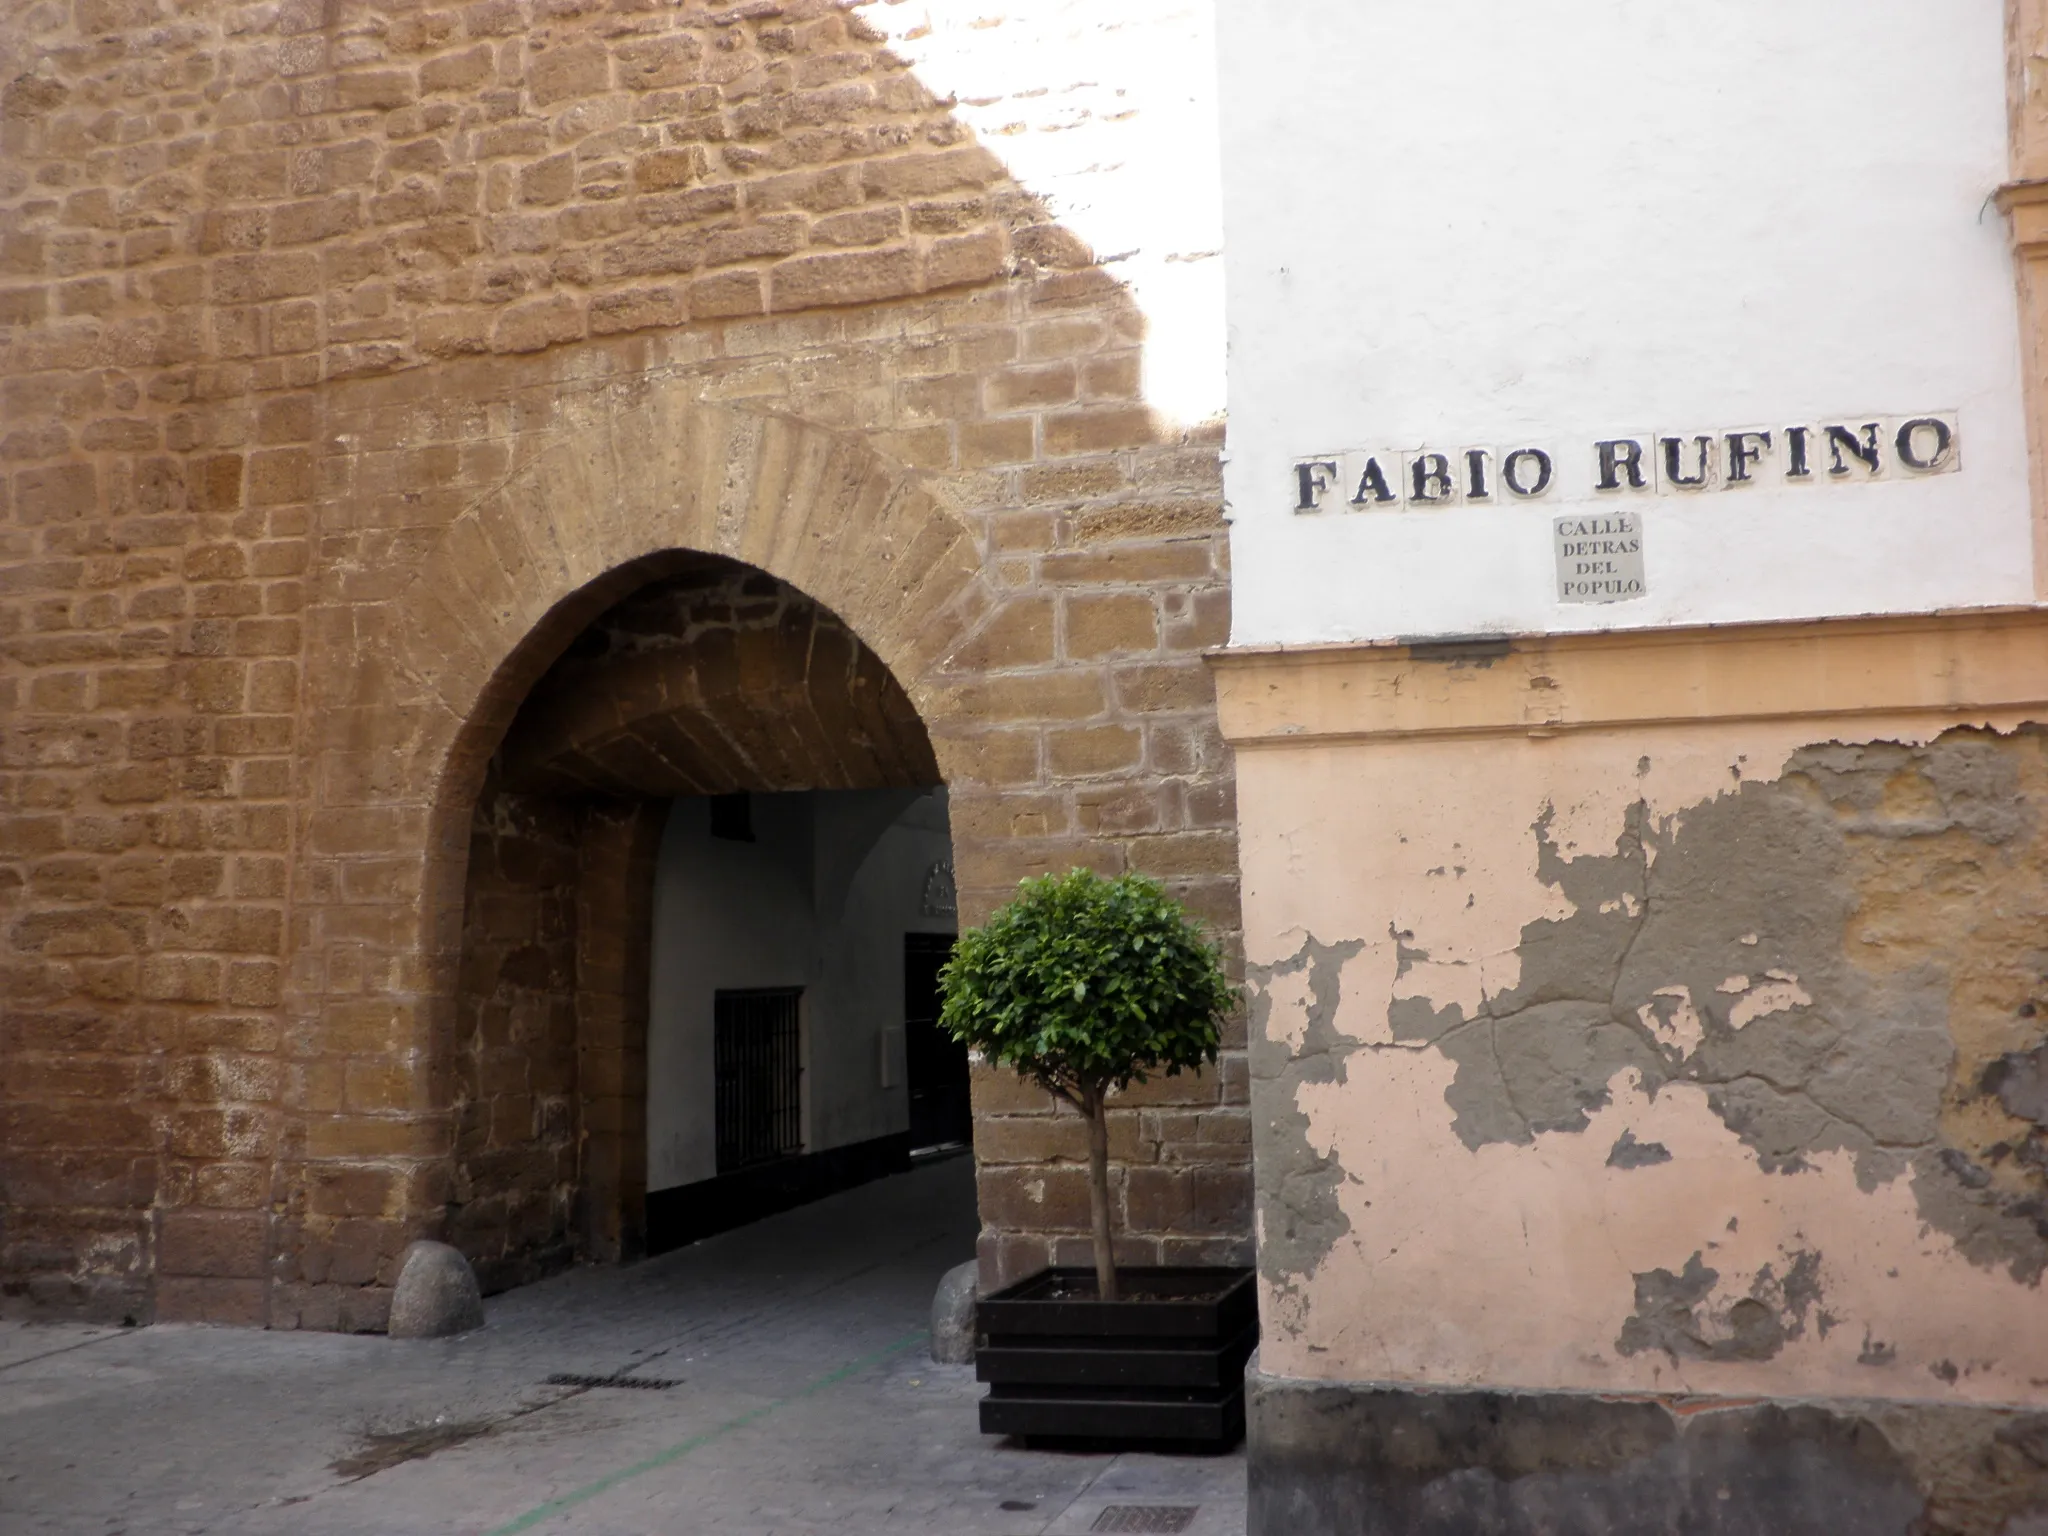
x: 953, y: 1315
x: 436, y: 1294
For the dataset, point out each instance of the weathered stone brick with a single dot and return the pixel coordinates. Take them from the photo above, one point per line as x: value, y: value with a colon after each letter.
x: 1098, y: 428
x: 249, y: 279
x: 1089, y: 751
x: 657, y: 62
x: 566, y: 72
x: 849, y: 277
x: 1116, y: 377
x: 58, y: 493
x: 1012, y: 440
x: 923, y: 175
x: 991, y: 757
x: 314, y: 219
x: 373, y: 89
x: 1042, y: 1197
x: 529, y: 327
x: 1194, y: 1201
x: 460, y: 71
x: 959, y: 259
x: 548, y: 181
x: 775, y: 236
x: 1019, y: 634
x: 1022, y: 388
x: 1104, y: 624
x: 637, y: 309
x: 868, y: 226
x: 668, y: 168
x: 280, y: 475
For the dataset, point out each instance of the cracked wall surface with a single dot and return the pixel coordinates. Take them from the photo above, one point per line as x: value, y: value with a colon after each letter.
x: 1695, y: 1058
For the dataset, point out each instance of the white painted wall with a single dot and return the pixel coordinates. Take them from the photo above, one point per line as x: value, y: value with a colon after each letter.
x: 1457, y: 223
x: 820, y: 900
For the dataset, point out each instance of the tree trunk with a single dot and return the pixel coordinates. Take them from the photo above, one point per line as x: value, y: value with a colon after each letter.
x: 1098, y: 1193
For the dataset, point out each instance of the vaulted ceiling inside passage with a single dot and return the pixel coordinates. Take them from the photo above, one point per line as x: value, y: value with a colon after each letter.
x: 713, y: 681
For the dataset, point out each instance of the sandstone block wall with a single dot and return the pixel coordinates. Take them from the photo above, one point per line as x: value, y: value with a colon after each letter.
x: 352, y: 357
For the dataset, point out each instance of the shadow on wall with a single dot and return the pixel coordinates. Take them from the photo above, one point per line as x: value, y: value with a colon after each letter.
x: 356, y: 359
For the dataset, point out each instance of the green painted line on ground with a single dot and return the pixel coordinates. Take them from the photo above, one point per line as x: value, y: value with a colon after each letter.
x: 611, y: 1480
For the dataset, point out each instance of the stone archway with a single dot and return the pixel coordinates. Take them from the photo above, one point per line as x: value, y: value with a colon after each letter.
x: 630, y: 483
x: 713, y: 679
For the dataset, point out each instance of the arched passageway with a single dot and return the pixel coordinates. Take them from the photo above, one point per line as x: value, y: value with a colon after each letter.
x: 708, y: 865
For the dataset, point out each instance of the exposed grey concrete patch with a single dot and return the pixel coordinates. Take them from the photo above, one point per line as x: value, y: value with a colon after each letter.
x: 1673, y: 1313
x: 1539, y: 1058
x: 1860, y: 1065
x: 1367, y: 1459
x: 1989, y: 1228
x: 1417, y: 1020
x: 1799, y: 1290
x: 1974, y: 781
x: 1406, y: 956
x: 2019, y: 1079
x: 1301, y: 1216
x: 1627, y: 1152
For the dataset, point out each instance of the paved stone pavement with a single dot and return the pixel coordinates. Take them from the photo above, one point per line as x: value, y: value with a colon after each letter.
x: 806, y: 1404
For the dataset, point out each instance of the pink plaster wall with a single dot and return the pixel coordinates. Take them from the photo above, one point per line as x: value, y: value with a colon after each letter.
x: 1517, y: 1265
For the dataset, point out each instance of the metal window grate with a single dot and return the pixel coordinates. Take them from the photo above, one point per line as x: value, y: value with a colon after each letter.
x: 1146, y: 1517
x: 757, y: 1070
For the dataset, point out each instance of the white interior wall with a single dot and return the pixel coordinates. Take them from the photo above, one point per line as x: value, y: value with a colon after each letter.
x: 820, y: 900
x: 1456, y: 223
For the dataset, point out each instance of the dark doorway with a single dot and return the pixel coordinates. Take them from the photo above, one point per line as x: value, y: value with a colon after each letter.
x: 758, y: 1076
x: 934, y: 1064
x: 691, y: 863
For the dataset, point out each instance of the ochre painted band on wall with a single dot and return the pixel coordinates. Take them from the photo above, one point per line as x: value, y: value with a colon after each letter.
x: 1988, y: 665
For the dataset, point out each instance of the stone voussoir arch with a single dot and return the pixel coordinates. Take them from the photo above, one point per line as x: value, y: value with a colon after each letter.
x: 624, y: 484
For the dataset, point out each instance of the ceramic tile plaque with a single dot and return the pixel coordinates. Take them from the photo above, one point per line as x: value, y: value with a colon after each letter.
x: 1599, y: 557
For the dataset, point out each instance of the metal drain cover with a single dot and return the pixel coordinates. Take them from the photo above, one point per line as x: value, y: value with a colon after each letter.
x: 1145, y: 1517
x: 644, y: 1383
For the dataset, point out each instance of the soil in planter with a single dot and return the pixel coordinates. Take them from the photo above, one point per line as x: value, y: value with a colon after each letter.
x: 1081, y: 1287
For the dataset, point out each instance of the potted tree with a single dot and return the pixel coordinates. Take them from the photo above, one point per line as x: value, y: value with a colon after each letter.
x: 1084, y: 986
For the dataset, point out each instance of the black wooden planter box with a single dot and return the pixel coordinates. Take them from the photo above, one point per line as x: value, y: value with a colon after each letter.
x: 1165, y: 1363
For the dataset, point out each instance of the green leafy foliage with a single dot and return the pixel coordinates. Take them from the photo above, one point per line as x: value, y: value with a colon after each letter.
x: 1082, y: 984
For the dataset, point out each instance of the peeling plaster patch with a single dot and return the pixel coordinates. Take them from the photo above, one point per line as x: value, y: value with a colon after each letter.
x: 1286, y: 1001
x: 1675, y: 1313
x: 1770, y: 997
x: 1301, y: 1218
x: 1677, y: 1027
x: 1539, y: 1058
x: 1433, y: 1222
x: 1630, y: 1153
x: 1801, y: 1050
